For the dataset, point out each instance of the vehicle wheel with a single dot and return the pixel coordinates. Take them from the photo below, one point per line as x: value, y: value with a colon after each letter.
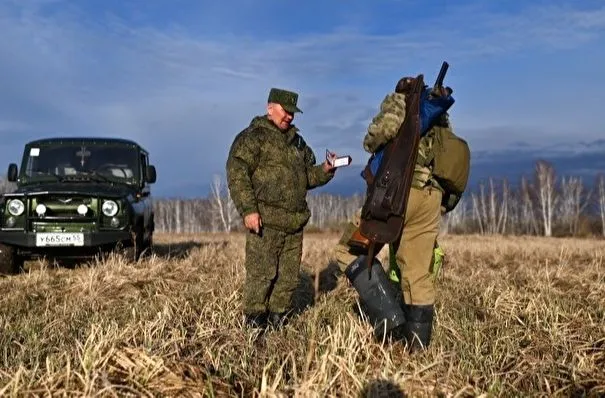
x: 147, y: 248
x: 133, y: 253
x: 10, y: 262
x: 148, y: 243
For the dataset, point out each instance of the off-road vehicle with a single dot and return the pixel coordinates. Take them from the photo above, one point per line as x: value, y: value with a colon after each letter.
x: 77, y: 198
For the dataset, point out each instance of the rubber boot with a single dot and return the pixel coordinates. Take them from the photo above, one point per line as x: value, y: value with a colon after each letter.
x: 378, y: 299
x: 419, y: 325
x: 257, y: 321
x: 277, y: 319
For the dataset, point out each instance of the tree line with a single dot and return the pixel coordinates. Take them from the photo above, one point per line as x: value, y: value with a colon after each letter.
x: 541, y: 204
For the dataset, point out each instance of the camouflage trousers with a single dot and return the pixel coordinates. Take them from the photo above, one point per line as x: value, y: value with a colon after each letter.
x: 414, y: 252
x: 272, y: 270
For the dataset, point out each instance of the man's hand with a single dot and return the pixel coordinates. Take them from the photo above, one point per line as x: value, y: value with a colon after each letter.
x: 253, y: 222
x: 327, y: 167
x: 441, y: 91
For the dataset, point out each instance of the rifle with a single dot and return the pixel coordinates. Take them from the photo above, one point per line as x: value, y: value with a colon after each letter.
x: 440, y: 77
x: 383, y: 212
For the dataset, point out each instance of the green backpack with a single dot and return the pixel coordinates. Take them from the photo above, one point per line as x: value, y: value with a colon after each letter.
x: 451, y: 159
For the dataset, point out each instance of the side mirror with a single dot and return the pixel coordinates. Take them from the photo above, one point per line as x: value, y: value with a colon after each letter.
x: 150, y: 175
x: 11, y: 175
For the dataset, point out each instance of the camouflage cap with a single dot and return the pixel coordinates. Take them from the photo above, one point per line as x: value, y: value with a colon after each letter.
x: 287, y: 99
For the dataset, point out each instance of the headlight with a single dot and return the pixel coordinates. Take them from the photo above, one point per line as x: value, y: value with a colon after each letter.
x: 16, y: 207
x: 110, y: 208
x: 40, y: 209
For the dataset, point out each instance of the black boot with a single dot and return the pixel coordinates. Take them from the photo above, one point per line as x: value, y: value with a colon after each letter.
x: 419, y: 325
x: 379, y: 300
x: 277, y: 319
x: 257, y: 321
x: 399, y: 293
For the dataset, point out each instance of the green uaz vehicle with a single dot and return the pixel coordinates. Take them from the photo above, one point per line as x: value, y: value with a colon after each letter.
x: 76, y: 198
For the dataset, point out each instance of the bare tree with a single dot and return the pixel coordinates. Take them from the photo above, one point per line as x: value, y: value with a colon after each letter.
x: 490, y: 210
x: 528, y: 214
x: 223, y: 204
x: 178, y: 219
x: 503, y: 213
x: 601, y: 189
x: 573, y: 202
x: 479, y: 208
x: 456, y: 219
x: 547, y: 194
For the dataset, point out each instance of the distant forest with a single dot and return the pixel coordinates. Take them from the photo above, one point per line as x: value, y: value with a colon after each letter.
x: 541, y: 204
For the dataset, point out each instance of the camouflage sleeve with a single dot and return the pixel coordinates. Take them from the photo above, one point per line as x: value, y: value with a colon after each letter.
x: 386, y: 123
x: 241, y: 163
x: 316, y: 176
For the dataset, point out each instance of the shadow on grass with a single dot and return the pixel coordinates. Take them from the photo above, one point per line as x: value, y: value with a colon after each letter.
x: 304, y: 297
x: 383, y: 389
x: 168, y: 251
x: 180, y: 250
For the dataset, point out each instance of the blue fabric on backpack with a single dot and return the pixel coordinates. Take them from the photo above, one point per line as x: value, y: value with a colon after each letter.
x: 430, y: 110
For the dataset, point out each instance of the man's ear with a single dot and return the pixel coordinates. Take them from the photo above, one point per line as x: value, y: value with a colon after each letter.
x: 269, y: 109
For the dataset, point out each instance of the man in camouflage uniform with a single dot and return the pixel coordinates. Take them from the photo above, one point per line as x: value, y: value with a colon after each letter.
x: 414, y: 254
x: 269, y: 170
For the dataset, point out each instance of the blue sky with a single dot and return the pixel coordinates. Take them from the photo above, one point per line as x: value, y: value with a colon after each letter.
x: 183, y: 77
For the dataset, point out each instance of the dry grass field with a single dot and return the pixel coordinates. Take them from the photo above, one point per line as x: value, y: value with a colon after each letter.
x: 516, y: 316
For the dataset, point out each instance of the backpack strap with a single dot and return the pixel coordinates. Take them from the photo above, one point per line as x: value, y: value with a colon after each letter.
x: 430, y: 155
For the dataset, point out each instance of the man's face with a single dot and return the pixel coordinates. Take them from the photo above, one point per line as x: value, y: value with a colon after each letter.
x: 278, y: 115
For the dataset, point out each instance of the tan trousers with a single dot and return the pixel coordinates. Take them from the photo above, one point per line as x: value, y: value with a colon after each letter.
x: 414, y: 253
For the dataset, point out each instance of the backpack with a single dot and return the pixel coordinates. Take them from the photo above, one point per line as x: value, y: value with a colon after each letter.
x: 430, y: 113
x: 450, y: 157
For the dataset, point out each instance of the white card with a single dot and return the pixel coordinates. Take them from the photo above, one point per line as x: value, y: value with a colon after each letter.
x: 343, y: 161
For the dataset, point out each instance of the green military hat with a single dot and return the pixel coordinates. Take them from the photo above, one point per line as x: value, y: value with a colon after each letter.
x: 287, y: 99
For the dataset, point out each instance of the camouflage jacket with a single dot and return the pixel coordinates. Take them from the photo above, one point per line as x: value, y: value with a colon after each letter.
x: 270, y: 171
x: 384, y: 127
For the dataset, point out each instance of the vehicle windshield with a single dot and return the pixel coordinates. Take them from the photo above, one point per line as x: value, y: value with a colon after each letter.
x: 60, y: 161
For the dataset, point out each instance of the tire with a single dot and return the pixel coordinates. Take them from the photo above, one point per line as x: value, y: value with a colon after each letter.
x: 133, y: 253
x: 147, y: 248
x: 10, y: 262
x: 130, y: 253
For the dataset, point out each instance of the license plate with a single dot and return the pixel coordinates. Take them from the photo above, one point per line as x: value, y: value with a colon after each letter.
x: 59, y: 239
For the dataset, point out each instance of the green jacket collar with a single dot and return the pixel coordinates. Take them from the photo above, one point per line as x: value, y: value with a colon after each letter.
x: 264, y: 122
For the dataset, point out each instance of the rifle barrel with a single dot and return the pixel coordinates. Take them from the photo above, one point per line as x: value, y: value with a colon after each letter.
x: 441, y: 76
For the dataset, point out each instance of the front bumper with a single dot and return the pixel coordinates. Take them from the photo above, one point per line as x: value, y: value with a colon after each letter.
x: 27, y: 240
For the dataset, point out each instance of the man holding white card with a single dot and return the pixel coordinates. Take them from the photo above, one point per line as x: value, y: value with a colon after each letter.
x: 337, y: 161
x: 270, y: 168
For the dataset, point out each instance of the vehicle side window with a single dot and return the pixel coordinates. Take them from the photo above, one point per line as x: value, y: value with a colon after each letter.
x: 143, y: 166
